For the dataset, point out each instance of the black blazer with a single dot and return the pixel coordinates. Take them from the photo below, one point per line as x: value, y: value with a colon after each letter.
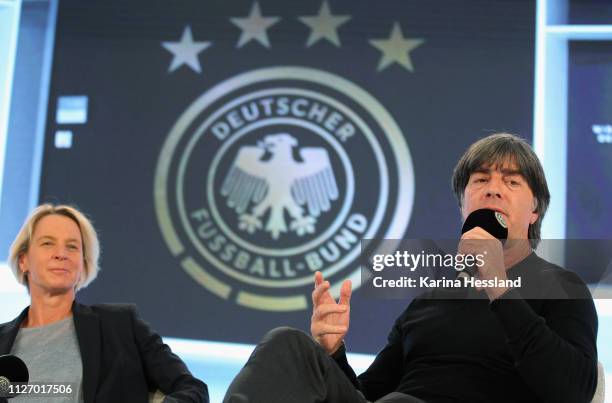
x: 123, y: 359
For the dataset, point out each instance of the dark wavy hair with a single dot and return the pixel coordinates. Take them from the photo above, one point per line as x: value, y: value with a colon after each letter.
x: 502, y: 149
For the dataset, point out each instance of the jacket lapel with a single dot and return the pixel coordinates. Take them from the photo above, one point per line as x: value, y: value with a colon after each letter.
x: 9, y: 332
x: 87, y: 325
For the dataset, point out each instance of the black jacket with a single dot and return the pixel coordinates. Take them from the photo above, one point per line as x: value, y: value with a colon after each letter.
x: 123, y: 359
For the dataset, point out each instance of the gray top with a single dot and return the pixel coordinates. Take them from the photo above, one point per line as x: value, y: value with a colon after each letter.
x: 52, y: 355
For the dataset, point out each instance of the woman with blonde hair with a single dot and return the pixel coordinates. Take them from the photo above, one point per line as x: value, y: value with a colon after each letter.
x: 106, y: 351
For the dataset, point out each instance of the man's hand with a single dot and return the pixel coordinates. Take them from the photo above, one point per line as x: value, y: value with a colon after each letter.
x: 477, y: 241
x: 330, y: 319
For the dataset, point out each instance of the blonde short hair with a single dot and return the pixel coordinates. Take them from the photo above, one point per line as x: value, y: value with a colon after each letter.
x: 91, y: 246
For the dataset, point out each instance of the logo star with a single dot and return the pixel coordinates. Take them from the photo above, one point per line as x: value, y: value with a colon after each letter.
x: 185, y: 51
x: 254, y: 27
x: 324, y: 26
x: 396, y: 49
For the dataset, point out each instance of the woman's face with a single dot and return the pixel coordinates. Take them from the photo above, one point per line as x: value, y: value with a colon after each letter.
x: 54, y: 261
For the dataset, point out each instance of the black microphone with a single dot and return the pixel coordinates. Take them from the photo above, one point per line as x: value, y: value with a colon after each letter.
x: 489, y: 220
x: 12, y: 370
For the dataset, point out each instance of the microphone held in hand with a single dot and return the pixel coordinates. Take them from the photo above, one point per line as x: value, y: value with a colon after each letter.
x: 489, y: 220
x: 12, y: 370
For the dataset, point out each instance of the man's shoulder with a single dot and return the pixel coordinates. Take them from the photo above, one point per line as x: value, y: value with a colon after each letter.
x: 551, y: 269
x: 570, y: 284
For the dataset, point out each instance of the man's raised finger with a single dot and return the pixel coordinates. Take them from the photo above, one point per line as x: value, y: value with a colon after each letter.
x: 345, y: 292
x: 318, y: 278
x: 319, y: 291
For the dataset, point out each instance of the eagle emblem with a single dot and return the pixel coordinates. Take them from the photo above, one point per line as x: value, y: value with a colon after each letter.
x: 268, y: 177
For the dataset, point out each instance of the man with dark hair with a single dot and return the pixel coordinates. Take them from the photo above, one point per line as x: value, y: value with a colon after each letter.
x: 508, y: 345
x: 505, y: 150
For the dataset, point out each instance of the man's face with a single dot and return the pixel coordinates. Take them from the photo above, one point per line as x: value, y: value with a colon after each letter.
x: 502, y: 188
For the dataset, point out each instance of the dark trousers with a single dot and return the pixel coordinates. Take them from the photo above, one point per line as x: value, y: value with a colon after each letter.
x: 288, y: 366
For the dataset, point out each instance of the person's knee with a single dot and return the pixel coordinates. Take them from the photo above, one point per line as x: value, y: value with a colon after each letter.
x: 236, y: 398
x: 290, y: 340
x: 286, y: 335
x: 282, y: 344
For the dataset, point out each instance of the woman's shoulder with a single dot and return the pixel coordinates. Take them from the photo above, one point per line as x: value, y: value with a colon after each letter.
x: 113, y: 308
x: 10, y: 325
x: 107, y: 311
